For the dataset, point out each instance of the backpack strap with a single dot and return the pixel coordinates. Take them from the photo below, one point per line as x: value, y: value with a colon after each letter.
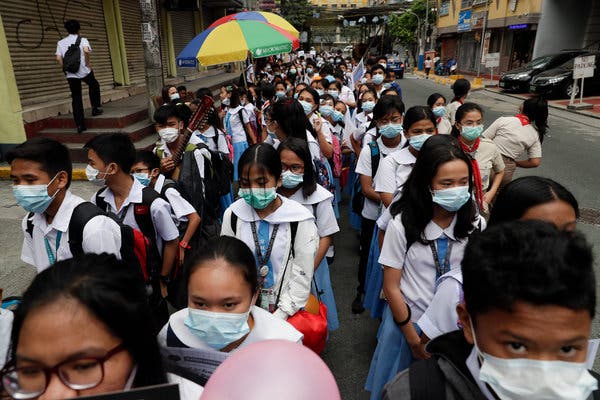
x: 241, y: 115
x: 168, y: 184
x: 142, y: 215
x: 233, y: 222
x: 82, y: 214
x: 426, y: 380
x: 29, y: 228
x: 100, y: 202
x: 293, y: 231
x: 375, y: 156
x: 314, y: 209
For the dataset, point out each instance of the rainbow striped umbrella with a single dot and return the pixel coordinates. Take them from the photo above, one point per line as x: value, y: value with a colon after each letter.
x: 231, y: 41
x: 267, y: 17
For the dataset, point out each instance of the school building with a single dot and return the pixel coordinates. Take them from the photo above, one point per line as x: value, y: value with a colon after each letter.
x: 35, y: 87
x: 519, y: 30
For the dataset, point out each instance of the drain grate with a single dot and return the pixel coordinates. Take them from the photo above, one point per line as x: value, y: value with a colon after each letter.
x: 589, y: 216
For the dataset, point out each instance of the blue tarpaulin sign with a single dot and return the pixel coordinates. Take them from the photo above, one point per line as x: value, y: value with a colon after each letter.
x: 464, y: 21
x: 187, y: 62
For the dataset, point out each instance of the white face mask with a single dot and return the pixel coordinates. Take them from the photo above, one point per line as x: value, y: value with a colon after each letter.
x: 92, y: 176
x: 525, y: 379
x: 174, y: 96
x: 169, y: 135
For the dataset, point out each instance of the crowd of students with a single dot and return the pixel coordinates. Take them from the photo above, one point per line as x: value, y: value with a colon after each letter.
x: 223, y: 235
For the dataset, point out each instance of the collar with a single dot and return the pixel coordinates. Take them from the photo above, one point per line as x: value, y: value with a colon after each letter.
x: 319, y: 195
x: 433, y: 231
x: 134, y: 196
x: 210, y: 132
x: 473, y: 366
x: 404, y: 157
x: 289, y: 211
x: 160, y: 181
x: 60, y: 222
x: 235, y: 110
x: 523, y: 118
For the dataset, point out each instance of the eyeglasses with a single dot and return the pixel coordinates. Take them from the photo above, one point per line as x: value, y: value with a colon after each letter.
x: 295, y: 168
x: 78, y: 374
x: 393, y: 120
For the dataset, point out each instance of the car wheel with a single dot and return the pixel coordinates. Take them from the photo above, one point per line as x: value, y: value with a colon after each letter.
x: 569, y: 89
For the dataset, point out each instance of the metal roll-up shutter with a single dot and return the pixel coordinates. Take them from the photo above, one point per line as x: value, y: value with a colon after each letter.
x: 32, y: 30
x: 132, y: 31
x: 183, y: 32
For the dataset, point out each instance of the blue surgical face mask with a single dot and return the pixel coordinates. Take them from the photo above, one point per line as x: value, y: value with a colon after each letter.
x: 296, y: 96
x: 320, y: 92
x: 34, y: 198
x: 293, y: 71
x: 309, y: 70
x: 217, y: 329
x: 258, y: 198
x: 391, y: 131
x: 142, y: 177
x: 416, y: 142
x: 451, y: 199
x: 334, y: 93
x: 330, y: 78
x: 308, y: 108
x: 325, y: 110
x: 439, y: 111
x: 377, y: 79
x: 337, y: 116
x: 471, y: 132
x: 291, y: 180
x: 280, y: 94
x: 367, y: 106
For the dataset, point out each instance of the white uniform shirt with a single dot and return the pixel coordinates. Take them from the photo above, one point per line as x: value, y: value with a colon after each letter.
x: 313, y: 146
x: 181, y: 207
x: 63, y: 45
x: 160, y: 213
x: 346, y: 95
x: 417, y: 264
x: 443, y: 126
x: 513, y: 138
x: 363, y: 166
x: 441, y: 317
x: 451, y: 111
x: 6, y: 322
x: 393, y: 171
x: 266, y: 327
x: 100, y: 235
x: 208, y: 138
x: 237, y: 129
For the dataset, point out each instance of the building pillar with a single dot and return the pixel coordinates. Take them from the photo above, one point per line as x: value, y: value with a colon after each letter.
x: 152, y: 56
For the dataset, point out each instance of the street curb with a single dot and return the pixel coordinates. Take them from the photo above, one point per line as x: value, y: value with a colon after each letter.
x: 78, y: 174
x: 448, y: 81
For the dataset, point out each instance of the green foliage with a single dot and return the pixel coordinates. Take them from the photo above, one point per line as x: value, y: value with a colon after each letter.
x: 404, y: 27
x: 297, y: 12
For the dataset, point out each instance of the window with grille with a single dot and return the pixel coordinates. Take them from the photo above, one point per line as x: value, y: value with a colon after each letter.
x: 444, y: 8
x: 465, y: 4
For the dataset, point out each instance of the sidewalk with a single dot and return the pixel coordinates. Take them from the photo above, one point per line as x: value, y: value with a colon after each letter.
x: 138, y: 102
x: 492, y: 86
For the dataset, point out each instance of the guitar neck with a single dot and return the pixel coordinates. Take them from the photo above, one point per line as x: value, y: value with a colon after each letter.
x: 198, y: 118
x: 178, y: 154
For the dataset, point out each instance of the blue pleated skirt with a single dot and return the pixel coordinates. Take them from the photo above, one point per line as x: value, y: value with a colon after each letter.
x: 238, y: 150
x: 336, y: 209
x: 323, y: 280
x: 374, y: 279
x: 392, y: 355
x: 355, y: 219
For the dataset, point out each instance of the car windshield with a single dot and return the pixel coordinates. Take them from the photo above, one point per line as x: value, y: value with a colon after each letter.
x: 539, y: 62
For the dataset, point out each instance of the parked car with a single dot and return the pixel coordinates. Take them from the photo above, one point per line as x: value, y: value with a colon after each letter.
x: 558, y: 82
x: 518, y: 79
x: 395, y: 64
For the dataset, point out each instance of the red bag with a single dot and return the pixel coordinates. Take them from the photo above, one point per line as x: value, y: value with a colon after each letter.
x: 312, y: 326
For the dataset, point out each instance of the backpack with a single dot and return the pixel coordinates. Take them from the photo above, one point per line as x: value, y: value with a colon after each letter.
x: 72, y: 57
x: 358, y: 199
x: 323, y: 177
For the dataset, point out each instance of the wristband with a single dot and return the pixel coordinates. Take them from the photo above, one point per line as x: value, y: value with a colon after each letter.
x: 407, y: 320
x: 166, y: 279
x: 184, y: 245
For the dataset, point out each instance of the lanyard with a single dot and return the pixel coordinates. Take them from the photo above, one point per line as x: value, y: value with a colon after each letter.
x: 441, y: 269
x: 49, y: 252
x: 263, y: 260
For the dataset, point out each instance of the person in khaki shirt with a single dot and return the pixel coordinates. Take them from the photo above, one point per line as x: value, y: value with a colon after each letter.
x: 484, y: 153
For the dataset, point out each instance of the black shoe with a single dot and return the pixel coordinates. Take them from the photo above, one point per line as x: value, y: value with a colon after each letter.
x: 81, y: 129
x: 357, y: 304
x: 97, y: 111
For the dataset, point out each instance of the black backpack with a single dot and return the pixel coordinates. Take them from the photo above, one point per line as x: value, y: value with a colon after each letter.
x: 72, y: 57
x: 358, y: 200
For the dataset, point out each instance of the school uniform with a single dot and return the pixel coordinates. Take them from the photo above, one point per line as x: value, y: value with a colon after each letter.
x: 266, y: 327
x: 234, y: 126
x: 160, y: 213
x: 6, y: 322
x: 300, y: 265
x: 391, y: 175
x: 451, y: 111
x: 181, y: 207
x: 419, y: 276
x: 319, y: 203
x: 444, y: 127
x: 49, y: 243
x: 346, y: 95
x: 208, y: 137
x: 363, y: 121
x: 489, y: 160
x: 188, y: 390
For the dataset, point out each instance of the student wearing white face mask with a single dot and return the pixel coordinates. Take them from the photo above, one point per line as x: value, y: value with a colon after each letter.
x: 437, y: 103
x: 238, y: 127
x: 299, y: 184
x: 222, y: 315
x: 432, y: 223
x: 526, y: 320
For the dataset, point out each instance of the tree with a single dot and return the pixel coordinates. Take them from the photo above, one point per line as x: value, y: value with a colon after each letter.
x: 297, y: 12
x: 405, y: 27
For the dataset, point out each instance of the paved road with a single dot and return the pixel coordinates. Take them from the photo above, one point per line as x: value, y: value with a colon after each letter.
x: 570, y: 154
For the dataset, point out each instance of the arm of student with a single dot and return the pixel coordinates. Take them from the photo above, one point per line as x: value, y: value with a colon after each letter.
x: 441, y: 317
x: 160, y: 211
x: 86, y: 55
x: 297, y: 282
x: 250, y: 132
x: 529, y: 163
x: 193, y: 224
x: 324, y: 244
x: 102, y: 235
x: 367, y: 188
x: 490, y: 132
x: 169, y: 255
x: 59, y: 60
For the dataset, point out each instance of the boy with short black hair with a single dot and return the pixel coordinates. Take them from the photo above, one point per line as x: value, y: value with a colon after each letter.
x: 41, y: 173
x: 110, y: 159
x: 530, y: 297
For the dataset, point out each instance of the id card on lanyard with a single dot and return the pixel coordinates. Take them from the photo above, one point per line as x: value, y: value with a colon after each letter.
x: 52, y: 256
x: 446, y: 251
x: 267, y: 295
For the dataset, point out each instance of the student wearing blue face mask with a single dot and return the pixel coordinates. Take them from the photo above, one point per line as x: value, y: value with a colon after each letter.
x: 299, y: 184
x: 377, y: 77
x: 432, y: 222
x: 387, y: 122
x: 222, y: 315
x: 281, y: 233
x: 437, y: 103
x: 40, y: 170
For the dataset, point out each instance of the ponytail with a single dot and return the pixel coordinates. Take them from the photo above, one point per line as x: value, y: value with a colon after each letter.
x: 536, y: 109
x: 460, y: 88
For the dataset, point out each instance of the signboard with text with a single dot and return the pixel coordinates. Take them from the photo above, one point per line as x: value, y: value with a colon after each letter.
x: 583, y: 67
x: 492, y: 60
x: 464, y: 21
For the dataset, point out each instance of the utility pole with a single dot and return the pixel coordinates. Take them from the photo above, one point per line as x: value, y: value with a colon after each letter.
x: 152, y: 58
x: 485, y: 18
